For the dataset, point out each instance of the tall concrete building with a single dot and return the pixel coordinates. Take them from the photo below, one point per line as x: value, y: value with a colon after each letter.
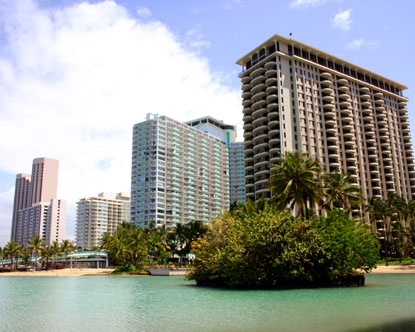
x: 296, y: 97
x: 98, y: 215
x: 237, y: 172
x: 179, y: 173
x: 227, y: 134
x: 36, y: 209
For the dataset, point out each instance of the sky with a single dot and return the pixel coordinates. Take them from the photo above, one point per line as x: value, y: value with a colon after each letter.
x: 75, y: 76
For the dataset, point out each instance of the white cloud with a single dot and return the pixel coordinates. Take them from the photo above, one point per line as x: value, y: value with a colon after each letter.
x: 342, y: 20
x: 195, y: 38
x: 143, y: 12
x: 6, y: 211
x: 303, y: 4
x: 74, y: 80
x: 357, y: 44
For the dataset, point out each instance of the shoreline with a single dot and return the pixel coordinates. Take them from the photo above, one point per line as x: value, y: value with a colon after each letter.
x: 60, y: 273
x: 79, y: 272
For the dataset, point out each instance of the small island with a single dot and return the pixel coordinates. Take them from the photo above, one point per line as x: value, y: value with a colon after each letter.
x: 267, y: 245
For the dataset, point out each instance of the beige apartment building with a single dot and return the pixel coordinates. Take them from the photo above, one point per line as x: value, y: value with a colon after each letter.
x: 296, y: 97
x: 36, y: 209
x: 98, y: 215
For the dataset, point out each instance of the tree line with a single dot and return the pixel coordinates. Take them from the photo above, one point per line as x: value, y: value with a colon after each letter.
x: 36, y: 248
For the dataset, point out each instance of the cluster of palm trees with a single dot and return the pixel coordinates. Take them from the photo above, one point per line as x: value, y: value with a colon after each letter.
x: 36, y: 248
x: 153, y: 245
x: 298, y: 181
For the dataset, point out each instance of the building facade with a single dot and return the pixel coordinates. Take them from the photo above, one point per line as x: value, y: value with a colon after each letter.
x: 179, y: 173
x: 296, y: 97
x: 237, y: 173
x: 227, y: 134
x: 36, y: 210
x: 98, y: 215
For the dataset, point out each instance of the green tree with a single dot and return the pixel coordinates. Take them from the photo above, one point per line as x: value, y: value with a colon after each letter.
x: 46, y: 254
x: 183, y: 235
x: 35, y: 244
x: 13, y: 250
x: 296, y: 182
x: 26, y: 255
x: 56, y: 250
x: 341, y: 191
x: 66, y: 248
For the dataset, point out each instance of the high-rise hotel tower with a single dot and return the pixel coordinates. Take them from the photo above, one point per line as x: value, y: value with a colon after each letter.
x: 179, y: 173
x: 296, y: 97
x: 36, y: 209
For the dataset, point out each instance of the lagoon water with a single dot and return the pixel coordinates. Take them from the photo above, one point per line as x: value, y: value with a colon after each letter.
x: 386, y: 303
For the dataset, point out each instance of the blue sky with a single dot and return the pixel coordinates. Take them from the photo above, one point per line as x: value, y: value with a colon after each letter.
x: 75, y: 76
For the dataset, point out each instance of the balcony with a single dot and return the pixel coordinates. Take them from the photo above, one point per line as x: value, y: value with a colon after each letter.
x: 274, y: 123
x: 378, y: 94
x: 342, y: 81
x: 259, y: 95
x: 260, y: 155
x: 245, y: 79
x: 328, y: 91
x: 379, y: 102
x: 246, y: 94
x: 328, y: 98
x: 270, y: 64
x: 343, y: 89
x: 257, y: 88
x: 272, y: 72
x: 365, y: 97
x: 257, y: 72
x: 329, y: 114
x: 263, y: 129
x: 330, y: 122
x: 259, y: 112
x: 246, y: 102
x: 271, y: 98
x: 258, y: 104
x: 344, y: 96
x: 247, y: 126
x: 259, y: 138
x: 328, y: 106
x: 366, y: 103
x: 273, y: 115
x: 271, y: 89
x: 272, y: 106
x: 270, y: 81
x: 326, y: 83
x: 364, y: 89
x: 274, y: 140
x: 260, y: 120
x: 326, y: 75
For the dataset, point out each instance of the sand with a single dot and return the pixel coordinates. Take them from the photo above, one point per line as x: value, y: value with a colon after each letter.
x: 394, y: 269
x: 59, y: 273
x: 106, y: 271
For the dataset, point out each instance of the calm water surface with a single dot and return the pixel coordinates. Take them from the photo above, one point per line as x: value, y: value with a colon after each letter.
x: 150, y: 304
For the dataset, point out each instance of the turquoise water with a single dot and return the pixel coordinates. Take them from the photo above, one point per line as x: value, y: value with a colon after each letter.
x: 150, y: 304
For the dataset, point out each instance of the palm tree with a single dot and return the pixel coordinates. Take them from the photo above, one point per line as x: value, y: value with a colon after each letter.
x: 341, y: 191
x: 380, y: 210
x: 67, y: 247
x: 35, y: 244
x: 46, y: 253
x: 56, y: 250
x: 296, y: 182
x: 13, y: 250
x: 26, y: 254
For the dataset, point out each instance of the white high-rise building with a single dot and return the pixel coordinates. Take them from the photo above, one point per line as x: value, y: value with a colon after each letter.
x: 98, y: 215
x: 296, y: 97
x: 179, y: 173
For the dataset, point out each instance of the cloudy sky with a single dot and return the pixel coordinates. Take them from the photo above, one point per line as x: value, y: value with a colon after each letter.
x: 76, y: 75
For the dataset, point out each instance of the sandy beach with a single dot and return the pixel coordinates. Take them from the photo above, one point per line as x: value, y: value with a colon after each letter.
x: 106, y: 271
x: 394, y: 269
x: 59, y: 273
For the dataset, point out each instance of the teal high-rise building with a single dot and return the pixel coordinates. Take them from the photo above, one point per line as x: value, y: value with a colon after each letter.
x: 179, y: 173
